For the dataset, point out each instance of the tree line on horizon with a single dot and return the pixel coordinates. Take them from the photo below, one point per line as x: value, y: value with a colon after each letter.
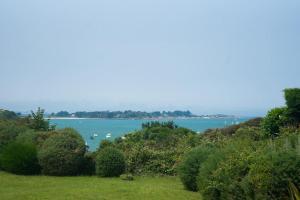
x: 123, y: 114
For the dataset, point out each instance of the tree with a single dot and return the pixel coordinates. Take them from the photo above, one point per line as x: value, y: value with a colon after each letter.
x: 6, y: 114
x: 292, y: 98
x: 275, y: 118
x: 38, y: 122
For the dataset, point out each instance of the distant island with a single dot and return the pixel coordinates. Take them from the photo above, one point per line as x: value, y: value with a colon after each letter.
x: 129, y: 114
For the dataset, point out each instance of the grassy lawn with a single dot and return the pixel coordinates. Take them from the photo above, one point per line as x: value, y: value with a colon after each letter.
x: 44, y: 187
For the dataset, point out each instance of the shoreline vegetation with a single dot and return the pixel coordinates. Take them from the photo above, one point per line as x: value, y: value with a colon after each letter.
x: 255, y: 159
x: 149, y: 118
x: 129, y: 114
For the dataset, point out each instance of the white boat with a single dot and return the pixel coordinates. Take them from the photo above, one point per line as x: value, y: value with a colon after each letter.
x: 95, y: 135
x: 108, y: 135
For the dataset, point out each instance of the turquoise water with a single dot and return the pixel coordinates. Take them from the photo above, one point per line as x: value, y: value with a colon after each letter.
x: 119, y: 127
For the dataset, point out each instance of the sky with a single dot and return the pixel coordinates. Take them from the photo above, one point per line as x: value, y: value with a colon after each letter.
x: 206, y: 56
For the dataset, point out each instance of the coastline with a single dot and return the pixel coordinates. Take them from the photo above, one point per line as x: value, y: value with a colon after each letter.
x: 160, y: 118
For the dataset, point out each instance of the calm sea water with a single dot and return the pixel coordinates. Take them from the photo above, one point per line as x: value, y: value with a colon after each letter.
x: 117, y: 128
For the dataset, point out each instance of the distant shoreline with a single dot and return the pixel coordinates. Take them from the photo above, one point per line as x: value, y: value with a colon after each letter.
x: 162, y: 118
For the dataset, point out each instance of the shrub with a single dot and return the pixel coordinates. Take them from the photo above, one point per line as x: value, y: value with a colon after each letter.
x: 292, y: 97
x: 274, y: 120
x: 252, y: 133
x: 62, y: 153
x: 189, y: 168
x: 20, y: 158
x: 221, y: 176
x: 105, y: 143
x: 270, y: 173
x: 9, y: 130
x: 6, y: 114
x: 110, y: 162
x: 88, y: 166
x: 29, y: 137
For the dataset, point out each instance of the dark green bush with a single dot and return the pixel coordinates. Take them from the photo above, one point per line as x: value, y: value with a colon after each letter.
x: 275, y: 119
x: 9, y: 130
x: 292, y: 97
x: 221, y: 175
x: 271, y: 171
x: 110, y: 162
x: 88, y: 166
x: 189, y: 168
x: 6, y: 114
x: 20, y: 158
x: 29, y: 137
x: 105, y: 143
x: 62, y: 153
x: 253, y: 133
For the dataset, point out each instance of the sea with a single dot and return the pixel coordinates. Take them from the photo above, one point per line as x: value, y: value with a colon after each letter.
x: 95, y: 130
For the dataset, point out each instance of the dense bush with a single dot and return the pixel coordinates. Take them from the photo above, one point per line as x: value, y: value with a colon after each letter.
x: 20, y: 158
x: 220, y: 177
x: 9, y: 130
x: 189, y: 168
x: 105, y: 143
x: 29, y: 137
x: 252, y: 133
x: 6, y: 114
x: 275, y: 119
x: 88, y: 165
x: 270, y: 173
x: 157, y: 148
x: 292, y: 97
x: 62, y: 153
x: 110, y: 162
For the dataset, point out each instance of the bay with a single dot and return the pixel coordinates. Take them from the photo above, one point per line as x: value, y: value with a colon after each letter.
x: 95, y: 130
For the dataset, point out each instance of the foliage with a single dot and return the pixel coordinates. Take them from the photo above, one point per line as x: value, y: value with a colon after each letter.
x: 125, y: 114
x: 220, y: 177
x: 29, y: 137
x: 20, y: 158
x: 292, y: 97
x: 9, y: 130
x: 191, y: 163
x: 252, y: 133
x: 88, y: 165
x: 152, y: 124
x: 247, y: 167
x: 157, y: 148
x: 110, y: 162
x: 62, y: 153
x: 38, y: 122
x: 275, y: 119
x: 294, y: 192
x: 7, y: 115
x: 105, y: 143
x: 271, y: 180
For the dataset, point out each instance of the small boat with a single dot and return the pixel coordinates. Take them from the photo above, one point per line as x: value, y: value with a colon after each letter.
x: 95, y: 135
x: 108, y: 135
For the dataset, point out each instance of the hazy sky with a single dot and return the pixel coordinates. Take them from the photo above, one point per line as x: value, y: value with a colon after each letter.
x: 209, y: 56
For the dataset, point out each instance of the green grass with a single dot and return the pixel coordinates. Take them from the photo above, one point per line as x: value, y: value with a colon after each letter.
x: 85, y: 187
